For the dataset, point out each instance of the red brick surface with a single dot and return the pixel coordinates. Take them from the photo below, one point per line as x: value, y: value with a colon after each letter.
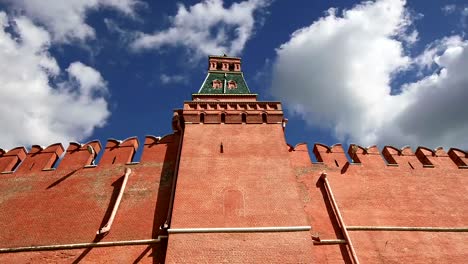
x: 249, y: 183
x: 281, y: 248
x: 128, y: 254
x: 254, y: 163
x: 68, y: 205
x: 374, y: 194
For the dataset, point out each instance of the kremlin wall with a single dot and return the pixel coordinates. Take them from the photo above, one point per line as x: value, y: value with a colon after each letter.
x: 226, y: 187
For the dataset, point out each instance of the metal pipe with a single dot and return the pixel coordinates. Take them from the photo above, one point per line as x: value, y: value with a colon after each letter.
x: 83, y: 245
x: 331, y: 197
x: 407, y: 228
x: 330, y: 242
x: 106, y: 228
x: 240, y: 229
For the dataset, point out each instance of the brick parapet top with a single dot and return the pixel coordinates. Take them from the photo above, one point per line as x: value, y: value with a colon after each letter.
x: 390, y: 156
x: 77, y: 155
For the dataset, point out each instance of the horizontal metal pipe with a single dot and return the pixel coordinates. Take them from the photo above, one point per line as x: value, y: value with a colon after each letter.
x: 83, y: 245
x: 239, y: 229
x: 330, y: 242
x: 407, y: 228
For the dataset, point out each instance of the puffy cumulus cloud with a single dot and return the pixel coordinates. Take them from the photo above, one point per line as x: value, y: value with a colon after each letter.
x: 336, y: 73
x: 206, y: 28
x: 39, y: 106
x: 432, y: 111
x: 66, y: 19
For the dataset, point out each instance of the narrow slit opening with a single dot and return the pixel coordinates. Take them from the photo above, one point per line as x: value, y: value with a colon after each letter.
x: 223, y: 118
x: 202, y: 118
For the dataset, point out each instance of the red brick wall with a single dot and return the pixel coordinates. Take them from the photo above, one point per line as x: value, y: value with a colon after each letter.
x: 249, y: 184
x: 257, y: 181
x: 69, y: 204
x: 376, y: 194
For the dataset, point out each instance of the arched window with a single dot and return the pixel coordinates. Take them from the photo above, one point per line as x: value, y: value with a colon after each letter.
x: 217, y: 84
x: 202, y: 118
x: 232, y: 84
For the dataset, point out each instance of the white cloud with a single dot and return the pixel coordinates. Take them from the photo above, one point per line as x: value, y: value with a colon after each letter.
x: 66, y: 20
x: 427, y: 58
x: 206, y: 28
x: 176, y: 78
x: 336, y: 73
x: 37, y: 106
x: 89, y: 80
x: 449, y: 9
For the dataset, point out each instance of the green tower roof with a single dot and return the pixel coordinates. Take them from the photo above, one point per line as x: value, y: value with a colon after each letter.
x: 224, y: 77
x: 224, y: 83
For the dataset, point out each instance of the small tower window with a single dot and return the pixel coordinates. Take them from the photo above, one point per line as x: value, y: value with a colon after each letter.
x: 213, y: 65
x: 264, y: 118
x: 244, y: 118
x: 202, y: 118
x: 223, y: 118
x: 217, y: 84
x: 232, y: 84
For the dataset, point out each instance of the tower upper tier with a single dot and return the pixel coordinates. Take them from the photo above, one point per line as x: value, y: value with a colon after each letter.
x: 224, y: 77
x: 224, y: 97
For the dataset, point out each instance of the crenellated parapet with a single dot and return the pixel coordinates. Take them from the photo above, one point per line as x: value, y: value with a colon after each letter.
x: 368, y: 157
x: 436, y: 158
x: 459, y: 156
x: 119, y: 152
x: 392, y: 158
x: 77, y: 156
x: 40, y: 158
x: 115, y: 152
x: 333, y: 156
x: 300, y: 154
x: 80, y: 155
x: 9, y: 160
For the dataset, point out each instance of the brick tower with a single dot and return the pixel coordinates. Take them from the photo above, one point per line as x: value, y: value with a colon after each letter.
x: 236, y: 199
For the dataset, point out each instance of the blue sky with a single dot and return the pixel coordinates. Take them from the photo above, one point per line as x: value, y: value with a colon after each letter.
x: 380, y: 72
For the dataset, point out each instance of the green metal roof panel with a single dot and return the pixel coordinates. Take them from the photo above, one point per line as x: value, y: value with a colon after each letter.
x: 241, y: 84
x: 207, y: 87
